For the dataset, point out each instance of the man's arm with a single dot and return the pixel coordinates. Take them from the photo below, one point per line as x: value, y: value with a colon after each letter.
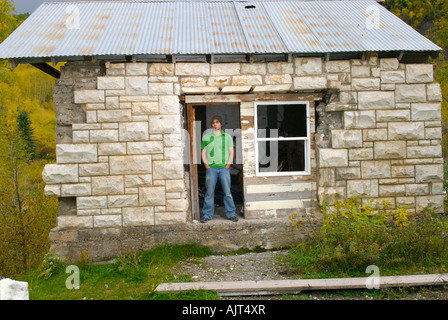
x: 204, y: 158
x: 231, y: 154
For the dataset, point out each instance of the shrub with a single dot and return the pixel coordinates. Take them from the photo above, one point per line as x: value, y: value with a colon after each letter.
x: 353, y: 237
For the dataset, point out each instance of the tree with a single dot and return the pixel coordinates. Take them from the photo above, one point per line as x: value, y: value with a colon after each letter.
x: 26, y: 132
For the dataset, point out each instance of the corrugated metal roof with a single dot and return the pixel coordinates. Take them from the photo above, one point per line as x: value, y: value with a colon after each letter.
x: 209, y: 27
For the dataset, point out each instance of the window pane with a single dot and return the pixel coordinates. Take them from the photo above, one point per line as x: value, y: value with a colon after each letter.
x: 281, y: 156
x: 288, y: 120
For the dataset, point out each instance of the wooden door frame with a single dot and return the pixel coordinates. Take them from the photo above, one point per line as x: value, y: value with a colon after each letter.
x: 191, y: 126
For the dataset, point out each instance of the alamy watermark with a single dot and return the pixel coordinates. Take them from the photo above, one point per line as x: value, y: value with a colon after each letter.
x: 373, y: 281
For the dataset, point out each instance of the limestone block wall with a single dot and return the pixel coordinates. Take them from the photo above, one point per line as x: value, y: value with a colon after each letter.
x: 387, y: 145
x: 377, y: 134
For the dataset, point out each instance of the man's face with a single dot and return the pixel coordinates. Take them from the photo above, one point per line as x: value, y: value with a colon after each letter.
x: 216, y: 124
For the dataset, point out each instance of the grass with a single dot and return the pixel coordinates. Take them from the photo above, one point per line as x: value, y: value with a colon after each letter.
x: 132, y: 277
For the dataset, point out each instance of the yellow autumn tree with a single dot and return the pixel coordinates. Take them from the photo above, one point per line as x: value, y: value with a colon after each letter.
x: 26, y: 214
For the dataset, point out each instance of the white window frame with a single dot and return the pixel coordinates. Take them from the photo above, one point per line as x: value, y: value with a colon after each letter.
x: 307, y: 139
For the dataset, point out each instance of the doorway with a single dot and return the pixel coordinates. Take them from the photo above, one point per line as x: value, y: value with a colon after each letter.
x: 199, y: 116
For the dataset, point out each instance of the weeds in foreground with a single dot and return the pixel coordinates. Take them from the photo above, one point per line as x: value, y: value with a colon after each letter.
x: 353, y: 236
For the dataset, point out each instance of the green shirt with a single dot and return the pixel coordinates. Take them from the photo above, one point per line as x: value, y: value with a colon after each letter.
x: 217, y: 148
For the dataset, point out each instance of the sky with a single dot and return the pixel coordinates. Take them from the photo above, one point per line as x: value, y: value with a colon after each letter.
x: 24, y: 6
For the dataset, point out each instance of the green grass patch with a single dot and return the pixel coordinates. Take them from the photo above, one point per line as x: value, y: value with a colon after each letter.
x: 133, y: 276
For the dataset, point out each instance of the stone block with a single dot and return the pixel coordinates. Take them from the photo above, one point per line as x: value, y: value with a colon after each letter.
x: 358, y: 154
x: 133, y: 131
x: 111, y: 149
x: 192, y: 69
x: 138, y: 216
x: 139, y: 180
x: 434, y: 92
x: 93, y: 169
x: 245, y: 80
x: 426, y: 111
x: 333, y: 158
x: 122, y: 200
x: 52, y: 190
x: 280, y: 67
x: 164, y: 124
x: 375, y: 169
x: 169, y: 104
x: 145, y: 147
x: 103, y: 136
x: 136, y: 69
x: 392, y: 190
x: 152, y: 196
x: 429, y: 173
x: 158, y: 88
x: 389, y: 64
x: 359, y: 119
x: 308, y: 66
x: 161, y: 69
x: 147, y: 107
x: 360, y: 71
x: 130, y: 164
x: 168, y: 169
x: 89, y: 96
x: 421, y: 202
x: 105, y: 185
x: 397, y: 76
x: 410, y: 93
x: 253, y: 68
x: 362, y: 188
x: 348, y: 173
x: 310, y: 83
x: 402, y: 171
x: 174, y: 186
x: 359, y: 84
x: 107, y: 221
x: 74, y: 222
x: 13, y: 290
x: 93, y: 202
x: 393, y: 115
x: 60, y: 173
x: 346, y: 138
x: 337, y: 66
x: 110, y: 83
x: 114, y: 115
x: 76, y: 153
x: 419, y: 73
x: 176, y: 205
x: 225, y: 69
x: 424, y: 152
x: 374, y: 134
x: 406, y: 130
x: 81, y: 136
x: 375, y: 100
x: 76, y: 189
x: 433, y: 133
x: 136, y: 85
x: 278, y: 79
x: 269, y: 88
x: 417, y: 189
x: 390, y: 150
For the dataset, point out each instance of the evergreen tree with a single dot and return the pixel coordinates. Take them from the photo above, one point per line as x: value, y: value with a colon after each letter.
x: 26, y: 132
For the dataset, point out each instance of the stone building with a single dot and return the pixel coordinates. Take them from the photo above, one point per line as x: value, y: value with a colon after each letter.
x: 321, y: 98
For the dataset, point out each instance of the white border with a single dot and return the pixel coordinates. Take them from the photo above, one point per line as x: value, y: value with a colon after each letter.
x: 307, y: 144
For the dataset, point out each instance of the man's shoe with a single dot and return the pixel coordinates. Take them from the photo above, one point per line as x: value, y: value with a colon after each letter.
x: 234, y: 219
x: 204, y: 220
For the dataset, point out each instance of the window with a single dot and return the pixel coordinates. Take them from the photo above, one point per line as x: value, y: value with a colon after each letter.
x: 282, y: 138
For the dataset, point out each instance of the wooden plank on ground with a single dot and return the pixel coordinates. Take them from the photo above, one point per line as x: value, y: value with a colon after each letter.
x: 272, y: 287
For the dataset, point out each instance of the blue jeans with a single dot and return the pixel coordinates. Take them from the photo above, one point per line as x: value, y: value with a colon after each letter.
x: 211, y: 178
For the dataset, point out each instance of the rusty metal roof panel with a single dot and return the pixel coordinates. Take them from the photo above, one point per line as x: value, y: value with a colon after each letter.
x: 63, y: 29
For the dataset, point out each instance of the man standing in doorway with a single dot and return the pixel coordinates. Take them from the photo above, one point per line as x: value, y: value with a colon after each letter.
x: 217, y: 152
